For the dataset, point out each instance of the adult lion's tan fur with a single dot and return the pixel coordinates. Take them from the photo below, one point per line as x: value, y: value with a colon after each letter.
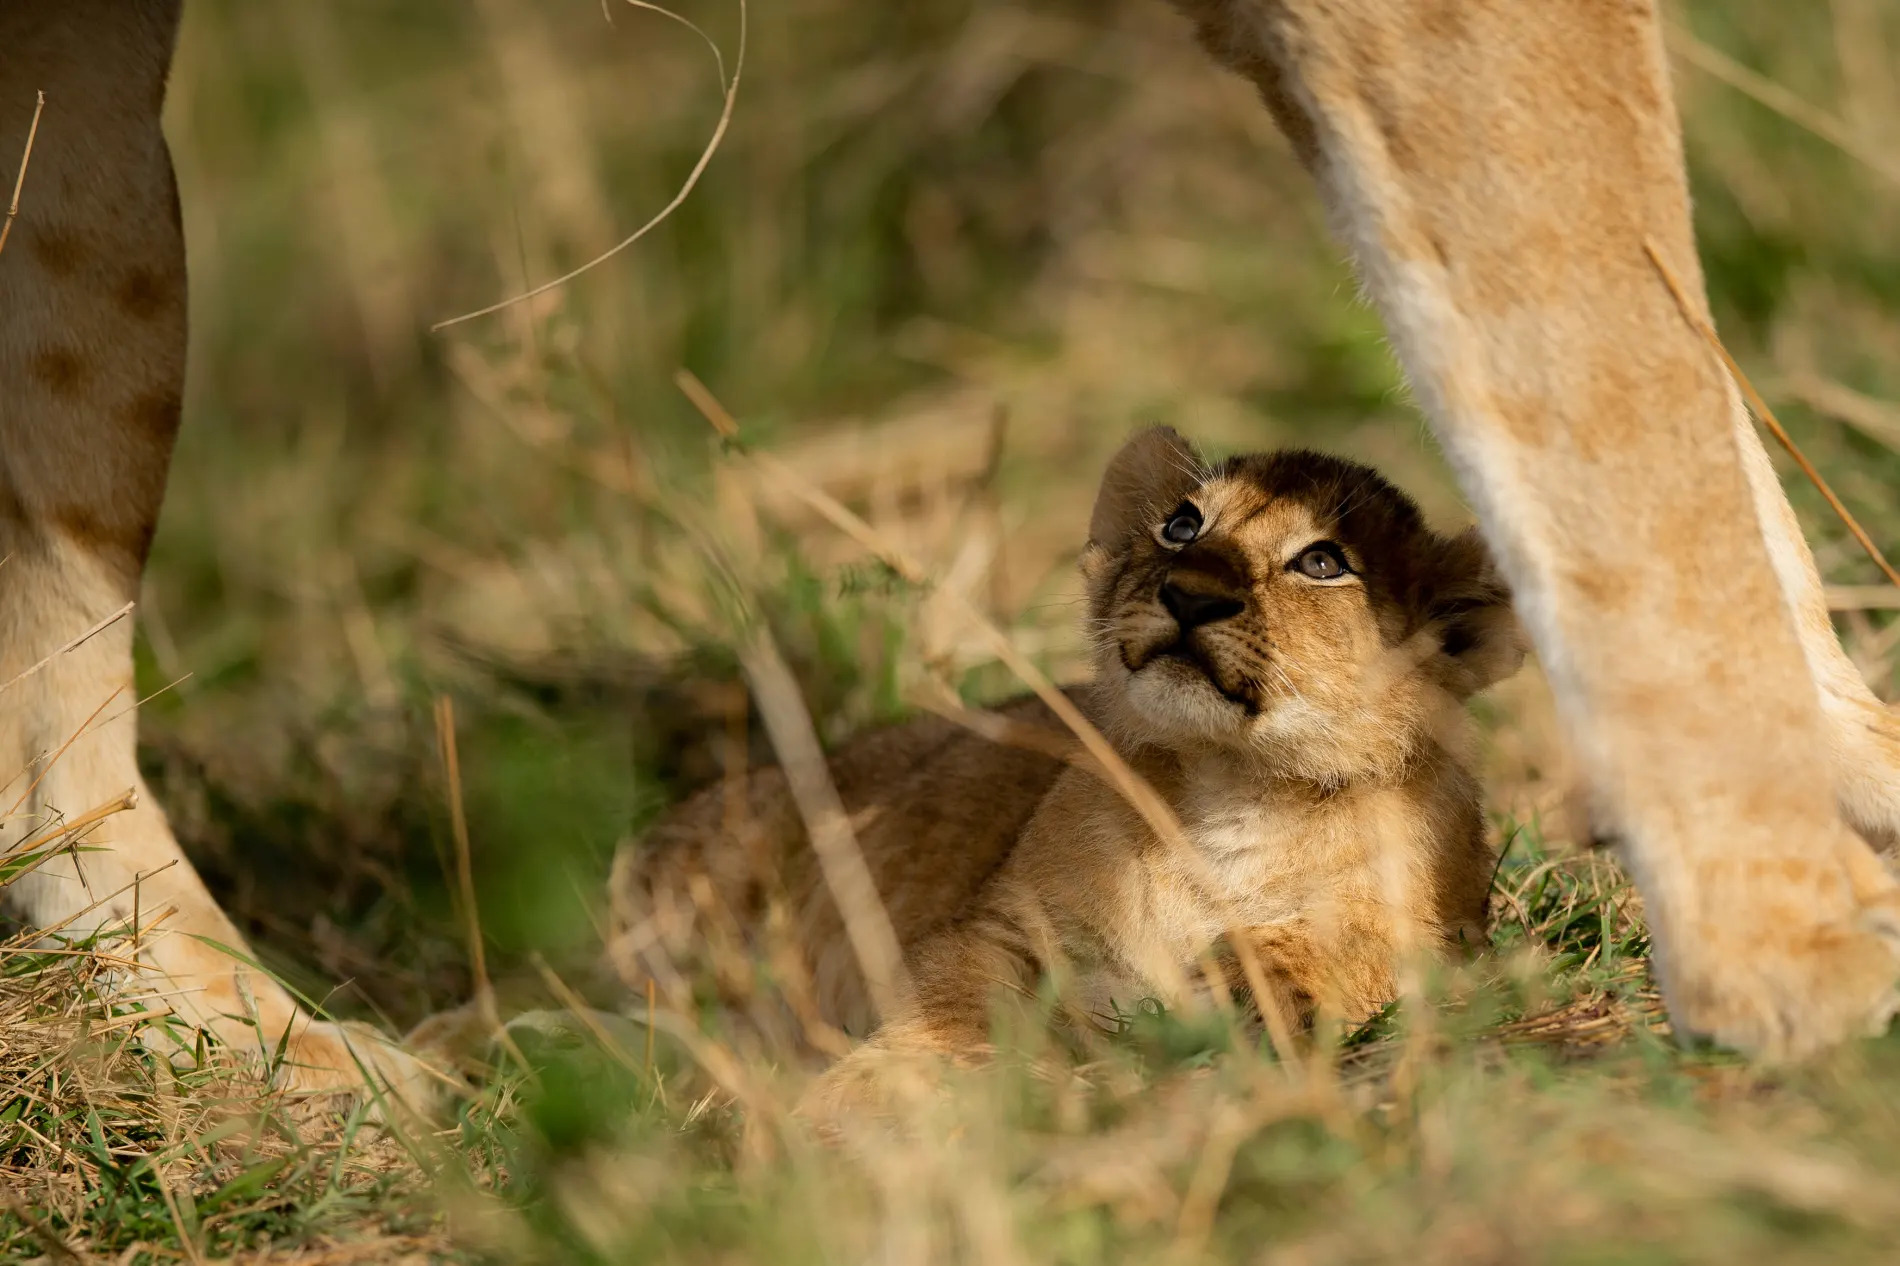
x: 1305, y: 729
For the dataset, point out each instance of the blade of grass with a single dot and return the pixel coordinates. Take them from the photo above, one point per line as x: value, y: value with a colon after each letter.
x: 1767, y: 415
x: 465, y: 880
x: 26, y: 157
x: 1876, y: 419
x: 1771, y: 95
x: 69, y: 647
x: 686, y: 188
x: 788, y: 723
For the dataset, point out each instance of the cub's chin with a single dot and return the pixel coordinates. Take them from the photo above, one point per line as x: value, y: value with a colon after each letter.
x: 1173, y: 699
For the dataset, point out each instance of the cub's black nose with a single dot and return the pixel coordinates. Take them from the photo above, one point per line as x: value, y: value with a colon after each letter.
x: 1190, y: 607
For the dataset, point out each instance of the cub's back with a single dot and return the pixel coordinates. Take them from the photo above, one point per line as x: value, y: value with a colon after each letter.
x: 935, y: 810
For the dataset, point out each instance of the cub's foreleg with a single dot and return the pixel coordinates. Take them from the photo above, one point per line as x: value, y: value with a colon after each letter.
x: 1345, y: 969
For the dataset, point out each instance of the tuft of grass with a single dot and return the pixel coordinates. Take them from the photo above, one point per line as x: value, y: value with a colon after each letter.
x: 112, y: 1150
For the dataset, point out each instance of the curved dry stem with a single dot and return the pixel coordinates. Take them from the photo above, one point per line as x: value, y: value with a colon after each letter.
x: 719, y: 59
x: 686, y: 188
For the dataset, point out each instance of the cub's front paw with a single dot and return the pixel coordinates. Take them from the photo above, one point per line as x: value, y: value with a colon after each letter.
x: 858, y: 1087
x: 878, y: 1084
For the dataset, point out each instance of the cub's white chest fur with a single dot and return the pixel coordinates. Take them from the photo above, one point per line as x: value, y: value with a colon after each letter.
x: 1261, y: 855
x: 1266, y: 851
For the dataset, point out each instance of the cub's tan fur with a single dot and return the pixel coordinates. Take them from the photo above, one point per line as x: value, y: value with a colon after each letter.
x: 1304, y: 729
x: 934, y: 808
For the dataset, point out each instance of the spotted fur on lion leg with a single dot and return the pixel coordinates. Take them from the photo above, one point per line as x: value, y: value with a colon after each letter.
x: 92, y: 358
x: 1498, y: 180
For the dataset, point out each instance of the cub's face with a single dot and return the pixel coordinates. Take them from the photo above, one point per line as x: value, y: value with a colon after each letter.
x: 1289, y: 603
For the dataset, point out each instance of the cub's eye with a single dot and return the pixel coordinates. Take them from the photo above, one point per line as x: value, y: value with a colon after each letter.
x: 1321, y: 561
x: 1183, y: 525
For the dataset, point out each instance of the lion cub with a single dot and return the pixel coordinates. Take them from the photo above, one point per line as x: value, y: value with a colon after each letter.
x: 1282, y: 649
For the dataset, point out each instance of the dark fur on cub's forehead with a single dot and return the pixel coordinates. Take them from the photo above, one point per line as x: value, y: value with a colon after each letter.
x: 1401, y: 557
x: 1356, y: 498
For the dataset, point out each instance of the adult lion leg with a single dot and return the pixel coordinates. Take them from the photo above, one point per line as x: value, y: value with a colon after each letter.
x: 1497, y: 169
x: 92, y: 359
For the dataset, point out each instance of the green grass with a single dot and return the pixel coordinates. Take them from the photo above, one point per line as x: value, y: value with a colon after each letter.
x: 1540, y: 1115
x: 925, y: 218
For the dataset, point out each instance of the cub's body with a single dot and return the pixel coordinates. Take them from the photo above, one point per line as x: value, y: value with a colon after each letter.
x: 963, y: 833
x: 1282, y: 650
x: 1328, y: 885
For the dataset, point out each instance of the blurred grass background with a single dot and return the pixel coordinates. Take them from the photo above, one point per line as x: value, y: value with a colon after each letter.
x: 936, y: 234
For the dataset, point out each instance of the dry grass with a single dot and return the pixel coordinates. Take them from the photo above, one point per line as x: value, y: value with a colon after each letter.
x: 109, y: 1152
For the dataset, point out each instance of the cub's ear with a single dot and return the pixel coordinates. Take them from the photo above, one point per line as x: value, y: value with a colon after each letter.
x: 1148, y: 478
x: 1471, y: 607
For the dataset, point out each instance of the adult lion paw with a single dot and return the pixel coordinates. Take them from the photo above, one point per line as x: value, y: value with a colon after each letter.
x: 1769, y: 976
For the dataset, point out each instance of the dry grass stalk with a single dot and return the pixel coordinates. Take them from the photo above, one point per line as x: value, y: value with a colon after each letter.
x: 1876, y: 419
x: 69, y: 647
x: 71, y: 830
x: 731, y: 92
x: 794, y: 738
x: 938, y: 699
x: 26, y: 157
x: 484, y: 999
x: 1863, y: 598
x: 585, y: 1016
x: 46, y: 765
x: 464, y: 872
x: 1231, y: 1127
x: 867, y: 924
x: 1767, y: 415
x: 1766, y: 92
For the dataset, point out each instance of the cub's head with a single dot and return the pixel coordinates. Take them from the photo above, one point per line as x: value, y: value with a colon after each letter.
x: 1289, y: 604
